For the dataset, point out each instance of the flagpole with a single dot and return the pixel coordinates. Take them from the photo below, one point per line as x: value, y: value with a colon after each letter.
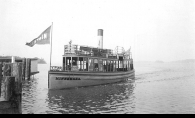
x: 51, y: 45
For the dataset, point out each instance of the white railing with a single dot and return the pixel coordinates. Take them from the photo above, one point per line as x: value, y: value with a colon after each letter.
x: 91, y: 51
x: 56, y: 68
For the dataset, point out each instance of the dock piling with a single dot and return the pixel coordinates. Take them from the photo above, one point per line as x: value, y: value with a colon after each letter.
x: 1, y: 76
x: 11, y: 77
x: 10, y: 88
x: 24, y: 69
x: 28, y: 69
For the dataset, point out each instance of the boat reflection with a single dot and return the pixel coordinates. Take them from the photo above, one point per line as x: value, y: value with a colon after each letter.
x: 111, y: 98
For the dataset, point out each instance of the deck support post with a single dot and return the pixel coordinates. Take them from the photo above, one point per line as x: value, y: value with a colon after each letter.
x: 88, y: 64
x: 78, y: 63
x: 110, y: 65
x: 63, y: 59
x: 114, y: 66
x: 71, y: 64
x: 83, y: 64
x: 65, y: 67
x: 118, y: 65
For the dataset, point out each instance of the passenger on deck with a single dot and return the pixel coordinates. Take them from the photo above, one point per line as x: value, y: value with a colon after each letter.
x: 96, y: 67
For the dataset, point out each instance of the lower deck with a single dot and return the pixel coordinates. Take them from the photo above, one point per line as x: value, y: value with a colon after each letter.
x: 94, y: 64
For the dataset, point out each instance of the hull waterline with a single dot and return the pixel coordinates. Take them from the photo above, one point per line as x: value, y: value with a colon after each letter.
x: 63, y: 80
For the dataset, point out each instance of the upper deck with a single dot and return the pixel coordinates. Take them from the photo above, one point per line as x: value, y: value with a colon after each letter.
x: 96, y: 59
x: 87, y: 51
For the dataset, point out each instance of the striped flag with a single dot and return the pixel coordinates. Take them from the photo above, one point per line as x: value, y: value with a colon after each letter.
x: 43, y: 38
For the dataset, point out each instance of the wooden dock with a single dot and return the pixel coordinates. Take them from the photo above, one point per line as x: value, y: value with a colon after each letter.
x: 12, y: 73
x: 11, y: 77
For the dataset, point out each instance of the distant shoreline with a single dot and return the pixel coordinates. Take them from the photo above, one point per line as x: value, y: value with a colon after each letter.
x: 178, y: 61
x: 40, y: 60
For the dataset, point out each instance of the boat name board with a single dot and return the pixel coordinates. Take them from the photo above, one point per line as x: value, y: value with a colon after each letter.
x: 67, y: 78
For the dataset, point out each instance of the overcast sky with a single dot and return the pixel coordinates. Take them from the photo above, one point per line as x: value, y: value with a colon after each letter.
x: 155, y: 29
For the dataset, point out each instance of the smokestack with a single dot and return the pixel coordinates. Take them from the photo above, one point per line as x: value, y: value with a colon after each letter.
x: 100, y: 38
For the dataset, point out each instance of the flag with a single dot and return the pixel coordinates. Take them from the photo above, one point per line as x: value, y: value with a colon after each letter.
x: 43, y: 38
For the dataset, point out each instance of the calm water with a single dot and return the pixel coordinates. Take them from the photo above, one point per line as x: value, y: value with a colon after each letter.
x: 157, y: 88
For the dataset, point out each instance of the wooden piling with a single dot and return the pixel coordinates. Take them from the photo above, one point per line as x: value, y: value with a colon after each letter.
x: 11, y: 88
x: 1, y: 76
x: 11, y: 76
x: 7, y: 69
x: 9, y: 103
x: 7, y: 87
x: 29, y: 71
x: 24, y: 69
x: 28, y: 68
x: 17, y: 73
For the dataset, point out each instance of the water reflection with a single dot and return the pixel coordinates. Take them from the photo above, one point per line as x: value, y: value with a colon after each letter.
x: 29, y: 94
x: 158, y: 88
x: 112, y: 98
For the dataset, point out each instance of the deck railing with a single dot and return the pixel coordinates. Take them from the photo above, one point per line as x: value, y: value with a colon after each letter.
x: 56, y: 68
x: 92, y: 51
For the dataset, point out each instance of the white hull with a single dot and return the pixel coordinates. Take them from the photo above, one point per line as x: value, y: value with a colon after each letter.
x: 62, y: 80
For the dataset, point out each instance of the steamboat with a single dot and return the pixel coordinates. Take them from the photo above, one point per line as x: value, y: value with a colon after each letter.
x: 89, y: 66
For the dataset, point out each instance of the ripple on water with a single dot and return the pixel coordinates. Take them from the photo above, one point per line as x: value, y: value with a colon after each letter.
x: 157, y: 89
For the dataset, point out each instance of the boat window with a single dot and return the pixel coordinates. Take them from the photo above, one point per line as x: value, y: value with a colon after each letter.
x: 91, y: 65
x: 75, y: 64
x: 111, y: 66
x: 96, y: 67
x: 114, y: 66
x: 104, y: 66
x: 120, y: 65
x: 108, y: 65
x: 68, y: 65
x: 132, y: 65
x: 128, y: 65
x: 100, y: 65
x: 74, y: 61
x: 124, y: 65
x: 80, y: 63
x: 63, y: 63
x: 85, y: 64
